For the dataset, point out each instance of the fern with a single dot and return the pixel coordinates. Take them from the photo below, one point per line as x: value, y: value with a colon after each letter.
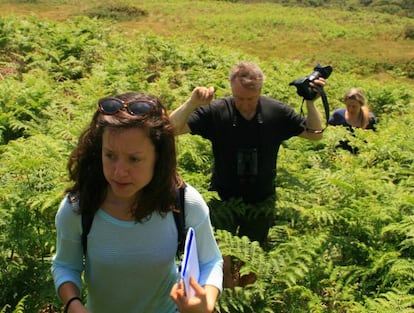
x: 20, y: 306
x: 391, y: 302
x: 401, y: 233
x: 343, y: 234
x: 4, y: 309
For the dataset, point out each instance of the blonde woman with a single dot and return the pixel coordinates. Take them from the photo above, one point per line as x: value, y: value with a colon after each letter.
x: 356, y: 113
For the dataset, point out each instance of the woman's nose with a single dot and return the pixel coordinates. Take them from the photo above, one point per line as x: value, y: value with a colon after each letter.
x: 120, y: 169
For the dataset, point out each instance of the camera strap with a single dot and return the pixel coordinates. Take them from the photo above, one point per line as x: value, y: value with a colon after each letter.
x: 324, y: 101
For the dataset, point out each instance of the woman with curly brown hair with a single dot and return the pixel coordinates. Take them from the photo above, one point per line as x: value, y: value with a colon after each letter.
x: 124, y: 174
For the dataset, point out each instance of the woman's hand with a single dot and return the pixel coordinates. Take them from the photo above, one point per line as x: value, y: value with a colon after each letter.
x: 202, y: 302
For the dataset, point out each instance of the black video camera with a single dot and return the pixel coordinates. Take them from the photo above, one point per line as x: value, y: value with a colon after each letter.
x: 302, y: 84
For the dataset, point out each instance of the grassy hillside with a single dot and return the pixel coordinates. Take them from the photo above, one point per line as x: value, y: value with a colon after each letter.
x: 368, y: 44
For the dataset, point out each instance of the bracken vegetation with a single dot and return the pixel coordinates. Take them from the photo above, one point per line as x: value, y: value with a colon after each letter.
x: 344, y: 234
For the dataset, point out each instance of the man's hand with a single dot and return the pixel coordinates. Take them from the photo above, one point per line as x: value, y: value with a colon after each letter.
x: 179, y: 117
x: 321, y: 82
x: 201, y: 96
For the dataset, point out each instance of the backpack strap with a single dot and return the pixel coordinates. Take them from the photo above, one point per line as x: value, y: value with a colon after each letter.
x: 87, y: 220
x: 179, y: 218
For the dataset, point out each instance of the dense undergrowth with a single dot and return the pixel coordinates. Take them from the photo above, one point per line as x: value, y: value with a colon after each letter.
x: 343, y: 239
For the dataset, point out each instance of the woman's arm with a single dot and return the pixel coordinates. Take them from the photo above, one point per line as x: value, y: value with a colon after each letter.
x: 67, y: 264
x: 70, y: 296
x: 209, y: 285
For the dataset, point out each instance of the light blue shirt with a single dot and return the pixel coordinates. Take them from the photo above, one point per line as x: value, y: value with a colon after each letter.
x: 130, y: 267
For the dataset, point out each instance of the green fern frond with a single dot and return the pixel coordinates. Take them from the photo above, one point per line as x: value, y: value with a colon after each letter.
x: 391, y: 302
x: 400, y: 231
x: 5, y: 308
x: 20, y: 306
x: 400, y: 274
x: 241, y: 248
x: 408, y: 244
x: 319, y: 217
x: 242, y: 300
x: 293, y: 259
x: 279, y: 234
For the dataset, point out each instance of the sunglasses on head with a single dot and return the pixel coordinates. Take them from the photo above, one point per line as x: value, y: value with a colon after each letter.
x: 112, y: 106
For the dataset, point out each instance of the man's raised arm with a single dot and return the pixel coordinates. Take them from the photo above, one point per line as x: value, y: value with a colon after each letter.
x: 313, y: 122
x: 179, y: 117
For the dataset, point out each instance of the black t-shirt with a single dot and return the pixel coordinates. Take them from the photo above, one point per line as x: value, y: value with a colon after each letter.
x: 245, y: 152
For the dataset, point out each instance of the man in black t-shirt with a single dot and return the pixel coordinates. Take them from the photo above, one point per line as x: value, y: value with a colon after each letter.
x: 245, y: 130
x: 245, y: 151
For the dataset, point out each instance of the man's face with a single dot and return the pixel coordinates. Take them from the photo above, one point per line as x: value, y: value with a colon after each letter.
x: 246, y: 99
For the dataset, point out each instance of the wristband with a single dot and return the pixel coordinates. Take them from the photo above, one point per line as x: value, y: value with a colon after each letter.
x: 315, y: 131
x: 69, y: 302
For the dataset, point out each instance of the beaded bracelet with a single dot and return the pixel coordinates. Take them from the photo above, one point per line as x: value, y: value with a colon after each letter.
x: 69, y: 302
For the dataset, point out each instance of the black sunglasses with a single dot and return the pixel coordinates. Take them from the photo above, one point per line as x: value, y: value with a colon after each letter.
x: 112, y: 106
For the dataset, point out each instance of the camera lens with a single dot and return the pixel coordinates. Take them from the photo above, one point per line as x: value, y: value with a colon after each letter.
x: 314, y: 75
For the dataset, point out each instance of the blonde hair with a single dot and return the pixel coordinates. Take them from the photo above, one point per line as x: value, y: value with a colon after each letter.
x: 357, y: 95
x: 249, y: 74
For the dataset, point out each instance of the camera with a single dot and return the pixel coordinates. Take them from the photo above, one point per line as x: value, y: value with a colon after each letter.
x: 303, y: 84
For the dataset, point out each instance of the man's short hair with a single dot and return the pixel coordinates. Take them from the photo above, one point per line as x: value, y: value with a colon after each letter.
x: 249, y: 75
